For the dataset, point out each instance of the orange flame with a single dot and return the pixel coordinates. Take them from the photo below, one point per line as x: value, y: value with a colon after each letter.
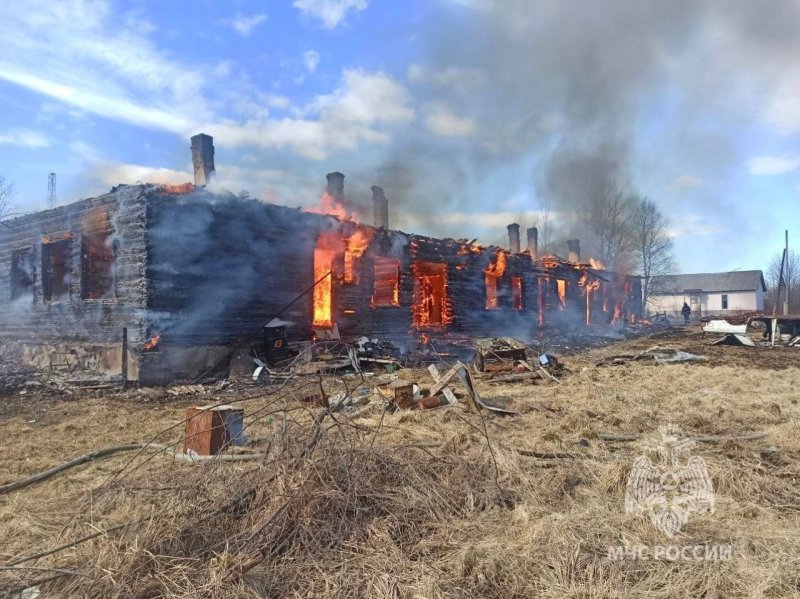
x: 516, y: 293
x: 469, y: 248
x: 596, y: 264
x: 357, y: 244
x: 588, y: 285
x: 561, y: 286
x: 328, y: 246
x: 178, y: 188
x: 331, y: 206
x: 153, y: 342
x: 432, y: 306
x: 494, y: 272
x: 386, y: 282
x: 52, y: 238
x: 499, y: 267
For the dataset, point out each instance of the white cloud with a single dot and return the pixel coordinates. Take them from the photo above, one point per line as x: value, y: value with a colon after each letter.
x: 76, y: 53
x: 773, y: 165
x: 118, y: 108
x: 244, y: 25
x: 686, y: 182
x: 445, y: 123
x: 484, y: 5
x: 278, y: 101
x: 695, y: 225
x: 25, y: 138
x: 111, y: 174
x: 366, y: 99
x: 311, y: 60
x: 223, y: 68
x: 82, y: 54
x: 360, y: 110
x: 330, y: 12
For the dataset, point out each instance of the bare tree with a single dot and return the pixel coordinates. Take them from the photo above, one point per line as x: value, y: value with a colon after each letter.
x: 608, y: 215
x: 791, y: 277
x: 653, y: 246
x: 6, y: 194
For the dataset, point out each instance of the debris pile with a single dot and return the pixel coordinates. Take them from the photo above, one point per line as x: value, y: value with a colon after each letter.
x: 653, y: 355
x: 775, y: 330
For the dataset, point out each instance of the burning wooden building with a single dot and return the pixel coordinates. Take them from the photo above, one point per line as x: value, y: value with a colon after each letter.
x: 187, y: 275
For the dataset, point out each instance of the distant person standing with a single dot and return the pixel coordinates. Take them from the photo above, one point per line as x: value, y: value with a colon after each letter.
x: 687, y: 312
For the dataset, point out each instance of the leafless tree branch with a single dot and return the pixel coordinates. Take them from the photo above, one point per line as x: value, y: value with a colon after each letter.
x: 791, y: 277
x: 6, y: 195
x: 653, y: 246
x: 609, y: 216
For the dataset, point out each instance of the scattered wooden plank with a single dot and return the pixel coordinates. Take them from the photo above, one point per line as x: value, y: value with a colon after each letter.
x: 547, y: 375
x: 442, y: 382
x: 446, y: 391
x: 466, y: 379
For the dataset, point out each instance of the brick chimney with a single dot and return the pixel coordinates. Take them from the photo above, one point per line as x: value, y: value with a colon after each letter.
x: 381, y: 206
x: 533, y: 242
x: 203, y: 159
x: 513, y: 238
x: 574, y: 246
x: 336, y: 185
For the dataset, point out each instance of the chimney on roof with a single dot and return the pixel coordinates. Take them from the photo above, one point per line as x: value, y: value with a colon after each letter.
x: 381, y: 206
x: 574, y: 246
x: 513, y: 238
x: 203, y: 159
x: 336, y: 185
x: 533, y: 242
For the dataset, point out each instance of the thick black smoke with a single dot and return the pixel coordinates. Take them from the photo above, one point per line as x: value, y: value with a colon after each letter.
x: 565, y: 91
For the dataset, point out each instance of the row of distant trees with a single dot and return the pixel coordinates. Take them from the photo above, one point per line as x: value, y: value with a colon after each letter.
x: 791, y: 278
x: 631, y: 234
x: 628, y: 233
x: 6, y: 193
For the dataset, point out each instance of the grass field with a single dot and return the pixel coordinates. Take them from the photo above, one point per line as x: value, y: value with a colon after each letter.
x: 440, y: 503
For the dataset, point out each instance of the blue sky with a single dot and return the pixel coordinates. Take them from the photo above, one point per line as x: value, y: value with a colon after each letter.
x: 470, y: 113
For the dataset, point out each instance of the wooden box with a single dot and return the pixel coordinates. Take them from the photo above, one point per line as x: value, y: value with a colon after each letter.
x: 206, y: 432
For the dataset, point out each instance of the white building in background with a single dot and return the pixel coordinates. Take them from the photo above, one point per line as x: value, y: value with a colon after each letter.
x: 715, y: 293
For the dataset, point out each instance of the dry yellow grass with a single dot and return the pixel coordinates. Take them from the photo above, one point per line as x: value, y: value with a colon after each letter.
x: 378, y: 511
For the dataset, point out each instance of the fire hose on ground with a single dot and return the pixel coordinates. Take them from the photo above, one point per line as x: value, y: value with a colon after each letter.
x: 109, y: 451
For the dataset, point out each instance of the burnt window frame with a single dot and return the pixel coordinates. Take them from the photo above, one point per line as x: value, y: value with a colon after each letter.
x: 396, y: 289
x: 517, y: 300
x: 14, y: 278
x: 47, y: 275
x: 418, y: 268
x: 84, y: 265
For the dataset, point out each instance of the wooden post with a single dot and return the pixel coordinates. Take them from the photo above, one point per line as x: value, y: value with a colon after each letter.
x: 124, y: 357
x: 785, y: 286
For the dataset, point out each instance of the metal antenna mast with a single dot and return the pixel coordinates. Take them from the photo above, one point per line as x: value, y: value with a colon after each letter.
x: 51, y: 190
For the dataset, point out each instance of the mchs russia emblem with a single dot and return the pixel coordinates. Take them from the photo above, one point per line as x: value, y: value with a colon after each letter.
x: 668, y: 485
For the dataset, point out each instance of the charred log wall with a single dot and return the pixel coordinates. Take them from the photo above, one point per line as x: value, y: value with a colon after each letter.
x: 219, y: 267
x: 466, y: 289
x: 355, y: 312
x: 74, y: 315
